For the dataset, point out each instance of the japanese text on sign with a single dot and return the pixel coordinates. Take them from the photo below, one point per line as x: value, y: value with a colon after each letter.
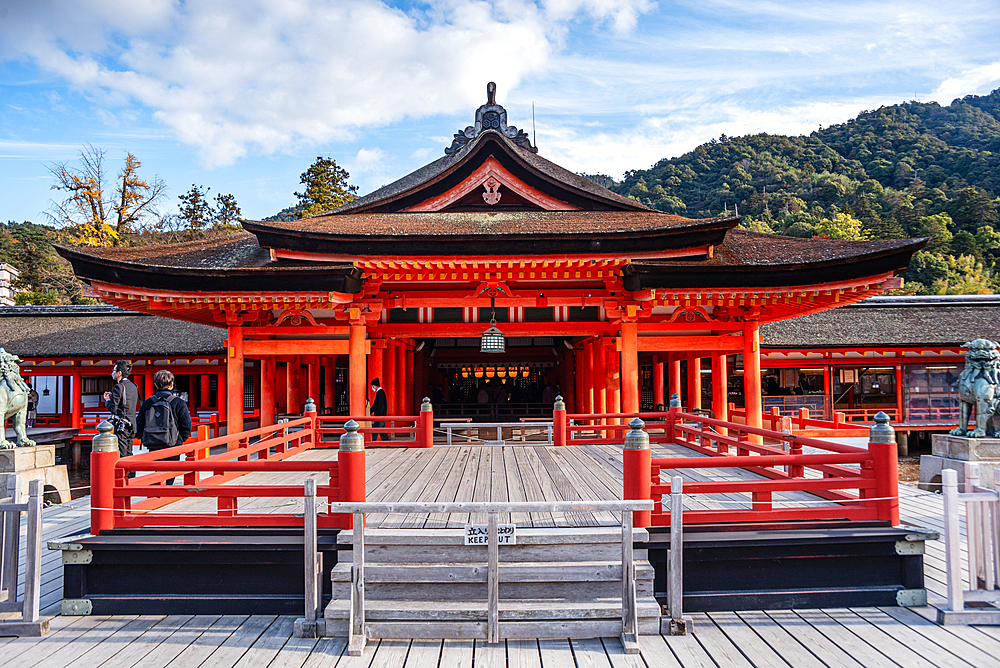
x: 478, y: 534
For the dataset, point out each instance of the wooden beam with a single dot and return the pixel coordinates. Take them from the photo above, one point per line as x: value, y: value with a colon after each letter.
x: 731, y: 344
x: 296, y: 347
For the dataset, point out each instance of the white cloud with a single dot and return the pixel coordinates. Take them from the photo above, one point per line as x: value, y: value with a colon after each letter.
x: 263, y: 76
x: 968, y: 83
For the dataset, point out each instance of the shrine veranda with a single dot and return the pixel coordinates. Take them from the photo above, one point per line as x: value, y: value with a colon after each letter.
x: 585, y: 288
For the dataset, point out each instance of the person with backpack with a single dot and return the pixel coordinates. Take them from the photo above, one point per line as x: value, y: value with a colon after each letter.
x: 121, y: 402
x: 164, y: 420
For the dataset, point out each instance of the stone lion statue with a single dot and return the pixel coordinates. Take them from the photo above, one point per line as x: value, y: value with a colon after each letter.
x: 979, y: 386
x: 13, y: 399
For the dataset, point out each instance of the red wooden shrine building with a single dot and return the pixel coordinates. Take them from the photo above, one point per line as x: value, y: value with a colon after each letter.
x: 586, y: 286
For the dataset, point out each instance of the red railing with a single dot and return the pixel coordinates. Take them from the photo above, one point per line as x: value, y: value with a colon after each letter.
x: 414, y: 431
x: 202, y: 426
x: 780, y: 461
x: 118, y: 501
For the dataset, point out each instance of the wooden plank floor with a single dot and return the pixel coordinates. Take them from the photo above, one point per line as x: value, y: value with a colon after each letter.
x: 843, y: 637
x: 477, y: 473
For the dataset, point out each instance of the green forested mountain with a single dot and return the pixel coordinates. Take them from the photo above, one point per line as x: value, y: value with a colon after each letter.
x: 909, y: 170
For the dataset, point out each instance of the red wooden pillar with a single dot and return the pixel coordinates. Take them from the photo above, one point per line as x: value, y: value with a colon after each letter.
x: 400, y: 378
x: 751, y: 374
x: 329, y: 374
x: 899, y: 393
x: 408, y: 406
x: 587, y: 373
x: 220, y: 394
x: 389, y: 375
x: 659, y: 387
x: 312, y: 392
x: 613, y: 369
x: 694, y: 383
x: 293, y: 383
x: 630, y: 368
x: 66, y: 409
x: 720, y: 389
x: 357, y: 382
x: 267, y: 374
x: 827, y: 394
x: 675, y: 376
x: 421, y: 388
x: 77, y: 401
x: 600, y: 379
x: 234, y: 378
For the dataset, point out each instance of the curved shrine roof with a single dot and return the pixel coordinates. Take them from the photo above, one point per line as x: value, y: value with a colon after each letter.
x: 753, y: 259
x: 490, y: 196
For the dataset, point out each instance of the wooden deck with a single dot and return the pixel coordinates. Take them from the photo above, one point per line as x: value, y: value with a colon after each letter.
x: 841, y: 637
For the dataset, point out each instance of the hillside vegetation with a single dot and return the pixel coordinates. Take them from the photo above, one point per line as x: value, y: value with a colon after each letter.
x: 909, y: 170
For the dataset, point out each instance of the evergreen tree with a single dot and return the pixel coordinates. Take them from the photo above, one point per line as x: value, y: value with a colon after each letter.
x: 326, y: 188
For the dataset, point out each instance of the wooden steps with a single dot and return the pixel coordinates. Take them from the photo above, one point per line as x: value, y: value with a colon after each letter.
x: 554, y: 583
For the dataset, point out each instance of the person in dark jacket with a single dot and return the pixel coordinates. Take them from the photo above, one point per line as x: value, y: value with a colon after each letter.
x: 163, y: 381
x: 121, y: 402
x: 380, y: 406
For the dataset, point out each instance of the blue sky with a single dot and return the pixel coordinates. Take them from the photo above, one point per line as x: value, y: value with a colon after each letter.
x: 242, y: 96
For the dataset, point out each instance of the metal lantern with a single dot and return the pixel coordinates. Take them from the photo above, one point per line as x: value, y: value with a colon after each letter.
x: 492, y: 341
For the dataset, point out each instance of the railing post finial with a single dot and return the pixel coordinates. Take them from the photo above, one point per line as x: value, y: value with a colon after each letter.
x: 310, y: 406
x: 351, y: 440
x: 637, y: 439
x: 105, y: 440
x: 425, y: 405
x: 675, y: 400
x: 560, y: 405
x: 882, y: 431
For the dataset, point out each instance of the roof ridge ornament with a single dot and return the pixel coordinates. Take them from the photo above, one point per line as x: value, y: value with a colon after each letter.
x: 490, y: 116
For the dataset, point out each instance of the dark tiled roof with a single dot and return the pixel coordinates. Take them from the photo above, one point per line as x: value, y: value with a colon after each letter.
x: 215, y: 265
x: 238, y: 250
x: 890, y: 321
x: 746, y: 248
x: 108, y: 332
x: 428, y: 172
x: 486, y: 223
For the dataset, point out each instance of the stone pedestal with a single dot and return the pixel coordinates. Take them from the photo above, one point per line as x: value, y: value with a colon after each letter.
x: 952, y: 452
x: 34, y: 463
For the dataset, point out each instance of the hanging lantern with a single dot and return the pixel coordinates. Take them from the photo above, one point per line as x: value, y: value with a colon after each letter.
x: 524, y: 372
x: 479, y: 372
x: 501, y: 372
x: 490, y: 372
x: 492, y: 341
x: 465, y: 372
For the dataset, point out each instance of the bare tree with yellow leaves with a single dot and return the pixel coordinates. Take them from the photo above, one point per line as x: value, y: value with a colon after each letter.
x: 97, y: 212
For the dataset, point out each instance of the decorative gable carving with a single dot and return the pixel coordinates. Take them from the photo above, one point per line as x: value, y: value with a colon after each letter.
x: 490, y: 176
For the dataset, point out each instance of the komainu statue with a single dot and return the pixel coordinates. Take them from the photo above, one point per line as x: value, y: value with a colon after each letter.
x: 13, y: 399
x: 979, y: 386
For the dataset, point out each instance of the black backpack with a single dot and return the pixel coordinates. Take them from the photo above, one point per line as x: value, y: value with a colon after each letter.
x: 160, y: 430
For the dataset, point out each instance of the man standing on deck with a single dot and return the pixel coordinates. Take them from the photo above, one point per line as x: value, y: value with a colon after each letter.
x: 380, y: 406
x: 121, y: 402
